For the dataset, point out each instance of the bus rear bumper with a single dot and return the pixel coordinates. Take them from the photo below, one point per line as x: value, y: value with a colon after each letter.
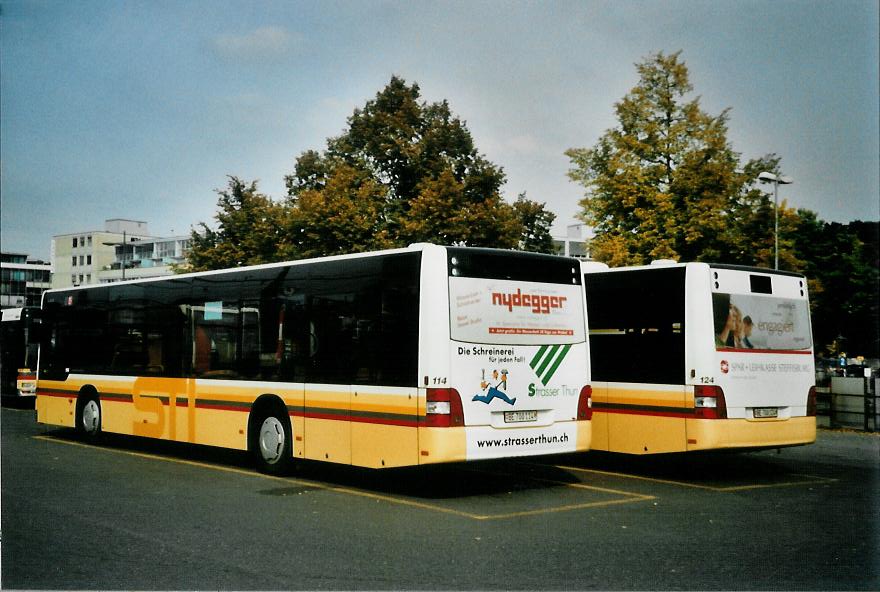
x: 711, y: 434
x: 442, y: 445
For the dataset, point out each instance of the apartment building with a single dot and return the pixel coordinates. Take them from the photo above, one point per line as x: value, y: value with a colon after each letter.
x: 145, y: 257
x: 22, y: 280
x: 78, y: 257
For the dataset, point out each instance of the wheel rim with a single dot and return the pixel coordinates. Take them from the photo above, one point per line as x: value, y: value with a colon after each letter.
x: 272, y: 439
x: 91, y: 416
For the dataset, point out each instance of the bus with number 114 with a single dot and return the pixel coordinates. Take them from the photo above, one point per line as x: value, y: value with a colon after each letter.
x: 404, y: 357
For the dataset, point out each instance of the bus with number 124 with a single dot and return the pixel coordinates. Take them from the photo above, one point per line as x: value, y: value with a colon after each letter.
x: 404, y: 357
x: 696, y: 356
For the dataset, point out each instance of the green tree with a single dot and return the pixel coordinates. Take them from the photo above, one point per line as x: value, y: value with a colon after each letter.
x: 442, y: 213
x: 248, y: 232
x: 663, y: 183
x: 437, y: 186
x: 535, y: 221
x: 840, y: 261
x: 343, y: 215
x: 404, y: 170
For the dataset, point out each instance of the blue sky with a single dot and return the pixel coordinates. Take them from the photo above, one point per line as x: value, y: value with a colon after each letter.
x: 140, y: 109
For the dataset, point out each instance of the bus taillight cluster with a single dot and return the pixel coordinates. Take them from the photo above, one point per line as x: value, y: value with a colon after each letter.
x: 443, y: 408
x: 709, y: 402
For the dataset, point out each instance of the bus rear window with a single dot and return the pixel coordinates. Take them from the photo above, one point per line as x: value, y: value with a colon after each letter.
x: 760, y: 284
x: 511, y: 265
x: 749, y: 321
x: 636, y: 321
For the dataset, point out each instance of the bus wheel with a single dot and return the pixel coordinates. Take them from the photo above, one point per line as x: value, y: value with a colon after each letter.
x: 88, y: 416
x: 271, y: 443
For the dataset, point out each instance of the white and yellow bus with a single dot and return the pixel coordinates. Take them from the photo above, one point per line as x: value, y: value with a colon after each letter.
x: 695, y: 356
x: 18, y: 354
x: 403, y: 357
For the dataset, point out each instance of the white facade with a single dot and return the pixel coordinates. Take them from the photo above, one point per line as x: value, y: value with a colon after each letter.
x: 145, y: 258
x: 122, y: 250
x: 79, y: 257
x: 22, y: 280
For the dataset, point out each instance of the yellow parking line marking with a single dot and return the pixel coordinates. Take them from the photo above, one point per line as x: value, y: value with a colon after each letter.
x: 630, y: 497
x: 247, y: 473
x: 636, y: 477
x: 813, y: 480
x: 400, y: 501
x: 568, y: 508
x: 147, y: 455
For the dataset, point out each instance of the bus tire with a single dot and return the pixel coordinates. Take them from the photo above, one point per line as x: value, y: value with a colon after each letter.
x: 271, y: 439
x: 88, y: 415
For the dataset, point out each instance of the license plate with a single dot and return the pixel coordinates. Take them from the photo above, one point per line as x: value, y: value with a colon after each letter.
x: 760, y: 412
x: 520, y: 416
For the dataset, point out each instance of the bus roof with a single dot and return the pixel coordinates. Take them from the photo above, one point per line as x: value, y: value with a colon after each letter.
x: 666, y: 265
x: 409, y: 249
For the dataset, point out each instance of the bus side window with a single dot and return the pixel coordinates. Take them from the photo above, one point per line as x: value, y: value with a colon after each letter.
x: 201, y: 351
x: 294, y: 346
x: 216, y: 336
x: 331, y: 339
x: 249, y: 364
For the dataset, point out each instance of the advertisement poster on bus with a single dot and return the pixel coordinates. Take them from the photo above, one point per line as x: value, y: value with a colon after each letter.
x: 751, y: 322
x: 763, y: 346
x: 512, y: 313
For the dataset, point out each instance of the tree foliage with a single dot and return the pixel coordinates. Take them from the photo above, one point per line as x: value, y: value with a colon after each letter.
x: 436, y: 186
x: 665, y: 182
x: 841, y: 261
x: 248, y: 232
x: 535, y: 220
x: 402, y: 171
x: 344, y: 215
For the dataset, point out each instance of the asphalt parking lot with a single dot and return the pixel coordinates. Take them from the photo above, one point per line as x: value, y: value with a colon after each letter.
x: 140, y: 514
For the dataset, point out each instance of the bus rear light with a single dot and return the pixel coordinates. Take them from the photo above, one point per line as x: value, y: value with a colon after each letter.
x: 811, y: 402
x: 709, y: 402
x: 438, y: 408
x: 585, y: 403
x: 443, y: 408
x: 26, y: 381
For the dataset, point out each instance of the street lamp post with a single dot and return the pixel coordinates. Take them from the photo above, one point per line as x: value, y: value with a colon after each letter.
x: 113, y: 244
x: 777, y: 180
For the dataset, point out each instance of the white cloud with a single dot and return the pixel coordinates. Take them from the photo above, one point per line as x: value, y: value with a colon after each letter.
x: 525, y: 144
x: 259, y: 43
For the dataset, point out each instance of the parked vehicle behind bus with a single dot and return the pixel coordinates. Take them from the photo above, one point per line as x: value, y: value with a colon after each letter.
x: 694, y: 356
x: 403, y: 357
x: 18, y: 361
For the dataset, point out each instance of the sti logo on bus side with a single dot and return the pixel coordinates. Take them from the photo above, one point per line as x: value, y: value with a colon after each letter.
x: 538, y: 303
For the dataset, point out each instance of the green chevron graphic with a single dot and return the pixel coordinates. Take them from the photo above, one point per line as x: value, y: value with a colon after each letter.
x: 547, y: 360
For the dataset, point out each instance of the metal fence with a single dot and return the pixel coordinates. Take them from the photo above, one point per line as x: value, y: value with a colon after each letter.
x: 849, y: 402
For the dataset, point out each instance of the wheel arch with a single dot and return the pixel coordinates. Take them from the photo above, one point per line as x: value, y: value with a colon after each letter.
x: 87, y: 393
x: 265, y: 403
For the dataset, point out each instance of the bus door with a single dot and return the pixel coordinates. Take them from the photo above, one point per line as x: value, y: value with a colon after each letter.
x: 328, y: 332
